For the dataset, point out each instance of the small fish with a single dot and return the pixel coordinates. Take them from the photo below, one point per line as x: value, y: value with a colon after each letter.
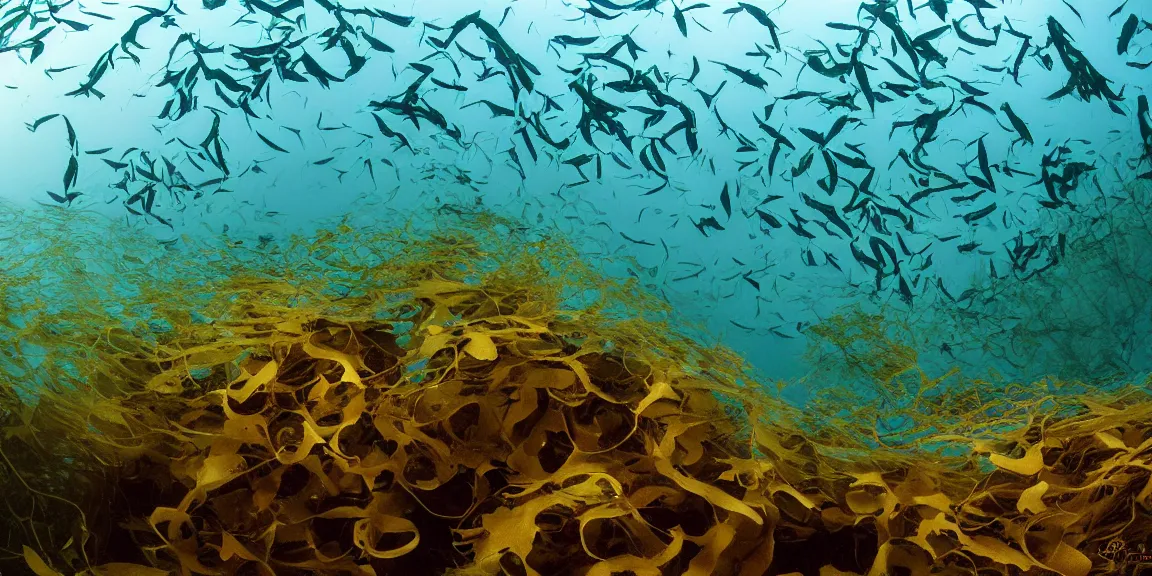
x: 985, y: 169
x: 978, y: 214
x: 453, y: 86
x: 1017, y: 123
x: 49, y: 72
x: 270, y: 143
x: 376, y: 44
x: 762, y: 17
x: 972, y: 101
x: 67, y: 198
x: 70, y: 173
x: 747, y: 76
x: 974, y: 40
x: 865, y: 86
x: 905, y: 291
x: 708, y: 223
x: 769, y: 219
x: 1126, y: 34
x: 1074, y: 10
x: 39, y: 121
x: 494, y: 108
x: 566, y: 40
x: 635, y: 241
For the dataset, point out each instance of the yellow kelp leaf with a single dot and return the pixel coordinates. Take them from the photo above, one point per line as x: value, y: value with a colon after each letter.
x: 512, y: 529
x: 800, y: 497
x: 673, y: 549
x: 441, y: 316
x: 577, y: 465
x: 936, y: 501
x: 582, y: 375
x: 991, y: 548
x: 1145, y: 495
x: 301, y: 448
x: 712, y: 544
x: 167, y: 382
x: 320, y: 388
x: 521, y: 407
x: 109, y: 411
x: 230, y: 547
x: 436, y: 403
x: 660, y: 390
x: 434, y: 343
x: 213, y: 357
x: 889, y: 556
x: 177, y: 519
x: 265, y: 488
x: 997, y: 550
x: 255, y: 381
x: 1027, y: 465
x: 748, y: 473
x: 553, y: 378
x: 37, y: 564
x: 1031, y: 499
x: 716, y: 496
x: 349, y: 415
x: 481, y: 347
x: 126, y: 569
x: 344, y: 512
x: 869, y: 479
x: 437, y: 289
x: 601, y: 512
x: 864, y: 502
x: 710, y: 493
x: 217, y: 470
x: 641, y: 566
x: 347, y: 361
x: 367, y: 532
x: 1110, y: 441
x: 252, y: 429
x: 531, y: 325
x: 1068, y: 561
x: 290, y: 327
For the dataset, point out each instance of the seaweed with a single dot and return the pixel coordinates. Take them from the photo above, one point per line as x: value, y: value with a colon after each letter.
x: 413, y: 400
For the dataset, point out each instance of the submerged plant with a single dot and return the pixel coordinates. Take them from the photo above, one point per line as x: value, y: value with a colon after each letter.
x: 481, y: 402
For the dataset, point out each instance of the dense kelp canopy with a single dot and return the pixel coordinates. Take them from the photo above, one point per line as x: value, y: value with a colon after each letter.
x: 472, y: 399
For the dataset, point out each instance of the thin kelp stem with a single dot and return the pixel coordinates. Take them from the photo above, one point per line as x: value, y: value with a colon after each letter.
x: 83, y: 519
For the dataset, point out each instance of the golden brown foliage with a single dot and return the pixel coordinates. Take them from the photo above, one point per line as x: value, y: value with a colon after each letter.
x: 480, y: 402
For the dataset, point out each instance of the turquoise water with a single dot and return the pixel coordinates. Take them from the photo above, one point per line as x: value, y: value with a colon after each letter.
x: 966, y: 164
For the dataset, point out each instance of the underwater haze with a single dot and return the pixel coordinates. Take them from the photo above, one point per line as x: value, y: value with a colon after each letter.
x: 970, y: 166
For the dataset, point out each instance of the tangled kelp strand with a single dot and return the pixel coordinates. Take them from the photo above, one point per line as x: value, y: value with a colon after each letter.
x: 447, y: 419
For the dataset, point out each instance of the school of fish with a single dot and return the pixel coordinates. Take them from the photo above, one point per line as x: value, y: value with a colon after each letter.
x: 622, y: 116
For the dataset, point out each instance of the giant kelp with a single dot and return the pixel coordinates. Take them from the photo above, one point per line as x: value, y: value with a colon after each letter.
x: 480, y: 402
